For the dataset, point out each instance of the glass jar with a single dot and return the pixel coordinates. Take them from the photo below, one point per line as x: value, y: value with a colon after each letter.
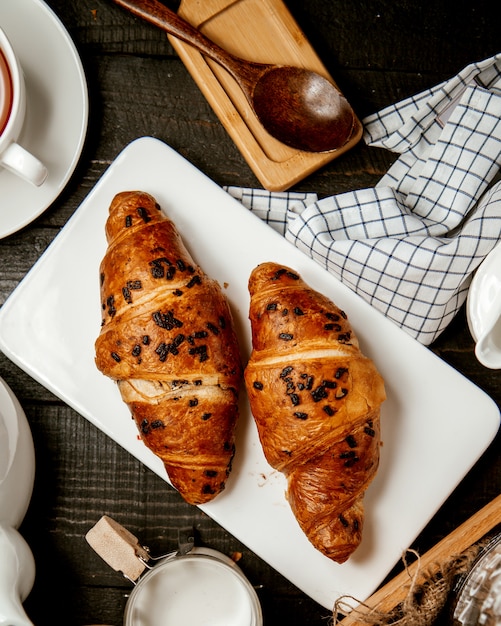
x: 194, y: 586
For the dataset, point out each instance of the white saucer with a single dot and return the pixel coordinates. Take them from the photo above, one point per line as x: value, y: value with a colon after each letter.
x: 484, y: 292
x: 57, y: 109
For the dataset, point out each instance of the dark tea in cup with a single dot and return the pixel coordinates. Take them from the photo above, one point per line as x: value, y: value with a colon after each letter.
x: 5, y: 92
x: 13, y: 156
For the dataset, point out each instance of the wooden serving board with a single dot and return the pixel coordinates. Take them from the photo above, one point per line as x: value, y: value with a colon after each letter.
x: 262, y: 31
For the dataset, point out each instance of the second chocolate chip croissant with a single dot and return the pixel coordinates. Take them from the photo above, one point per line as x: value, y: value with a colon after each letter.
x: 167, y: 338
x: 316, y: 402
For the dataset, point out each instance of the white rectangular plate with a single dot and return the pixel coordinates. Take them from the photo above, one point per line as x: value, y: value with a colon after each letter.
x: 435, y: 423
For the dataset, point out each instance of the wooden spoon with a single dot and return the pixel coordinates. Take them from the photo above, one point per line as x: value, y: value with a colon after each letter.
x: 297, y: 106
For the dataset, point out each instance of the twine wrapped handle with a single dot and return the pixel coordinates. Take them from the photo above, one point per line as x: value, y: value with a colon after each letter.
x: 448, y: 557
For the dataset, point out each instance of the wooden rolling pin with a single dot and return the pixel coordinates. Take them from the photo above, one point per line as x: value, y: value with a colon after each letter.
x: 459, y: 540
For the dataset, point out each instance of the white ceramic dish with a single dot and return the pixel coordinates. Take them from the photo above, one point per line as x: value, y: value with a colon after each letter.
x: 57, y: 108
x: 483, y: 310
x: 435, y: 423
x: 483, y: 305
x: 17, y: 473
x: 17, y: 459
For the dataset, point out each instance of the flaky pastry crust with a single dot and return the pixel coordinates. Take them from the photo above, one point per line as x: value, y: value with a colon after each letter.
x: 316, y: 402
x: 167, y: 338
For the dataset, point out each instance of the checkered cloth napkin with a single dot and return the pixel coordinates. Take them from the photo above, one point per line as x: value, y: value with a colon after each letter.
x: 410, y: 245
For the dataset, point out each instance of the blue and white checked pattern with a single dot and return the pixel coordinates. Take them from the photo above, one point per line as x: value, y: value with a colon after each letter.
x: 410, y: 245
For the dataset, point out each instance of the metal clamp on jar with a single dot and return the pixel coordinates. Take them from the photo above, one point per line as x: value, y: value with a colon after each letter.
x: 191, y: 585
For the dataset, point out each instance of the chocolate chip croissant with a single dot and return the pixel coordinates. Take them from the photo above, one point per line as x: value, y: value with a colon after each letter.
x: 167, y: 338
x: 316, y: 402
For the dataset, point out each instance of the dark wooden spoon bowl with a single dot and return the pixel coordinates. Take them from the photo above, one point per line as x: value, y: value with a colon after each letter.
x: 297, y: 106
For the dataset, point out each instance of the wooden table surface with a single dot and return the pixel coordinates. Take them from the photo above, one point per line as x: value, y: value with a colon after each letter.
x: 378, y: 52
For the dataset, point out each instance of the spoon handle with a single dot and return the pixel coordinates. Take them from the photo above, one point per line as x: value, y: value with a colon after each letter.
x: 158, y: 14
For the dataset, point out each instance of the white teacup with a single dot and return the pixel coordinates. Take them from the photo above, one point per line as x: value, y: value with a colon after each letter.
x: 14, y: 157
